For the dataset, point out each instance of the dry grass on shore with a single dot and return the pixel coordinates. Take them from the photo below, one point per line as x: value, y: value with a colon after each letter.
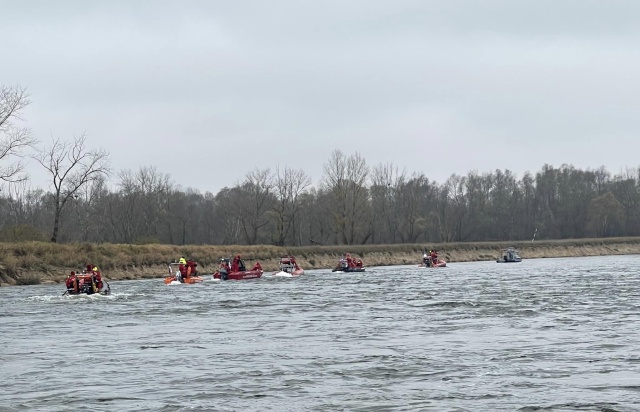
x: 27, y: 262
x: 39, y: 255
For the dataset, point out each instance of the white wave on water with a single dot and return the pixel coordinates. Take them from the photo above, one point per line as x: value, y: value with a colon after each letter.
x: 76, y: 298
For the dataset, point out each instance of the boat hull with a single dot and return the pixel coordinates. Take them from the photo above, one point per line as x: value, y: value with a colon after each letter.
x: 348, y: 270
x: 440, y: 264
x: 192, y: 280
x: 86, y: 286
x: 103, y: 293
x: 509, y: 261
x: 246, y: 275
x: 283, y: 274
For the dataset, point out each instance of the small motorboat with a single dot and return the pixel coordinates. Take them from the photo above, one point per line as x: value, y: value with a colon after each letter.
x: 509, y: 255
x: 236, y: 270
x: 176, y: 277
x: 288, y: 268
x: 348, y: 264
x: 440, y: 263
x: 428, y: 262
x: 86, y: 284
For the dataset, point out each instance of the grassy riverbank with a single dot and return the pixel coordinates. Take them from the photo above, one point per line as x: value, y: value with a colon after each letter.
x: 44, y: 262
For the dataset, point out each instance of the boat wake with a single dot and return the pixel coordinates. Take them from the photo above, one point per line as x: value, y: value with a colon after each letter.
x: 282, y: 274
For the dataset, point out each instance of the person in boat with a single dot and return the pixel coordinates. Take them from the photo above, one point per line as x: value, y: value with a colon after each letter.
x: 182, y: 270
x: 235, y: 264
x: 191, y: 268
x: 225, y: 266
x: 434, y: 256
x: 348, y: 259
x: 224, y: 269
x: 88, y: 288
x: 72, y: 282
x: 358, y: 263
x: 295, y: 264
x: 97, y: 278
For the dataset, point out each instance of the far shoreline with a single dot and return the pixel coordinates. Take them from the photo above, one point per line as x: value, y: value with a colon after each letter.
x: 48, y: 263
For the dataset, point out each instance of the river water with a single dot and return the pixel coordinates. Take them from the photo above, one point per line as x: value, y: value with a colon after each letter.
x: 547, y: 334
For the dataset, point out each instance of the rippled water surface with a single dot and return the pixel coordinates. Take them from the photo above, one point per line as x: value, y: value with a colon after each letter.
x: 552, y: 335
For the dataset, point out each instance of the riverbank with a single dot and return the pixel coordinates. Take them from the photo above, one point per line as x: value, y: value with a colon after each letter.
x: 43, y: 262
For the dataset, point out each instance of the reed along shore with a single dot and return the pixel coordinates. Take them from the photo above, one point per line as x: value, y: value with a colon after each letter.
x: 44, y: 262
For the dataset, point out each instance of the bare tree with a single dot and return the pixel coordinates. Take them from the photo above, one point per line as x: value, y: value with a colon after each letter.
x: 252, y: 200
x: 387, y: 183
x: 345, y: 177
x: 71, y: 167
x: 142, y: 204
x: 13, y: 138
x: 289, y: 185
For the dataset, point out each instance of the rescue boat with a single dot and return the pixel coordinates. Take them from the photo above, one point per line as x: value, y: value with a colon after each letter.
x: 176, y: 278
x: 440, y: 263
x: 86, y: 284
x: 348, y: 264
x: 509, y: 255
x: 229, y: 272
x: 288, y: 268
x: 429, y: 262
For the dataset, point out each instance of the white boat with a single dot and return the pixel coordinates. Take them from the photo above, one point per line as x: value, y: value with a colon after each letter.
x: 509, y: 255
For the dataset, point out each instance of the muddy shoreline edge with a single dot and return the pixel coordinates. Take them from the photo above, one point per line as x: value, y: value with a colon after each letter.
x: 42, y: 262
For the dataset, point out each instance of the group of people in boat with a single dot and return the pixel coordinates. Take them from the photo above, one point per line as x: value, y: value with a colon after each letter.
x: 235, y: 269
x: 349, y: 263
x: 237, y: 265
x: 89, y: 281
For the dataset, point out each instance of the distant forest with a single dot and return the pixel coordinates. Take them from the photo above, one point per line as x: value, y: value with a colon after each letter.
x: 354, y: 203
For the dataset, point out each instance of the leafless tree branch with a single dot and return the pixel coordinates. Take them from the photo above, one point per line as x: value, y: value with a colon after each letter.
x: 14, y: 139
x: 71, y: 167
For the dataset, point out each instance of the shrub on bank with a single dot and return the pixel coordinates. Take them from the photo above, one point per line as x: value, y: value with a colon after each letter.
x: 28, y: 280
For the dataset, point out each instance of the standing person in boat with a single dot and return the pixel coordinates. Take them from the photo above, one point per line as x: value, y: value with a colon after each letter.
x: 224, y: 269
x: 182, y: 269
x: 97, y: 278
x: 434, y: 256
x: 235, y: 264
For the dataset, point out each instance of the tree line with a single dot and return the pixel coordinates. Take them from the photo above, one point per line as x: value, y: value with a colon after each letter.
x: 354, y: 203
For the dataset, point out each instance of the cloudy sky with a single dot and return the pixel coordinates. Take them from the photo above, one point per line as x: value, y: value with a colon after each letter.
x: 209, y: 90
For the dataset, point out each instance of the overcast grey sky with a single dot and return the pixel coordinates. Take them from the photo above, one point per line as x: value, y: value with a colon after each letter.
x: 438, y: 87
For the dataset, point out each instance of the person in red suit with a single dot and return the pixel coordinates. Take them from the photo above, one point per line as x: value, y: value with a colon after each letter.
x: 235, y: 265
x: 183, y: 269
x: 72, y: 282
x: 97, y: 277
